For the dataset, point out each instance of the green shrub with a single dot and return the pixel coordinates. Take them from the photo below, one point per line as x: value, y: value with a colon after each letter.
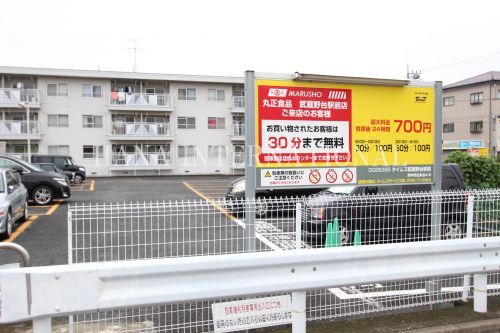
x: 479, y: 172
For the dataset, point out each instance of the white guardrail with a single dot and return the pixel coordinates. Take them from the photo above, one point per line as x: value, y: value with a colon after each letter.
x: 40, y: 293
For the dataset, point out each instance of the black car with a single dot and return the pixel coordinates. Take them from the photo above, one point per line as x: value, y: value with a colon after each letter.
x: 235, y: 196
x: 386, y: 218
x: 43, y: 187
x: 51, y: 167
x: 66, y: 163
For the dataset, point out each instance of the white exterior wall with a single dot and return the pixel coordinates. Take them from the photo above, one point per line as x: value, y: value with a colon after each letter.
x: 202, y: 137
x: 75, y: 135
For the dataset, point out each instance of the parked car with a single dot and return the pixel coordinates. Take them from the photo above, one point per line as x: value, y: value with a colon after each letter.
x: 235, y: 196
x: 66, y: 163
x: 385, y: 219
x: 43, y: 187
x: 51, y: 167
x: 13, y: 201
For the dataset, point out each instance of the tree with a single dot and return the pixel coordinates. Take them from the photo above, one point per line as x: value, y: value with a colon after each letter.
x: 479, y: 172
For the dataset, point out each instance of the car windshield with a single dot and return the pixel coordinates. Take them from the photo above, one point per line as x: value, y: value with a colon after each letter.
x: 28, y: 165
x: 340, y: 189
x: 46, y: 167
x: 70, y: 161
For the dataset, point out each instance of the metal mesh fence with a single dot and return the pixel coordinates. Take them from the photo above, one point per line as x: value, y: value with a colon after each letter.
x: 132, y: 231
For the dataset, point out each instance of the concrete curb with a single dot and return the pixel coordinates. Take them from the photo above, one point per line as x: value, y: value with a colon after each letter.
x: 480, y: 326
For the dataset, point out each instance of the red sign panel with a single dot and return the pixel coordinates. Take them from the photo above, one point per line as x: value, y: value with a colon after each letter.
x: 304, y: 125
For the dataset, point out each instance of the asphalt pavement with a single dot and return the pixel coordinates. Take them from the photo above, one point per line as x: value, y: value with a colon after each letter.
x: 45, y: 236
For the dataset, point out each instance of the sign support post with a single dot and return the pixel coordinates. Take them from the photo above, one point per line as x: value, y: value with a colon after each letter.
x: 432, y: 286
x: 438, y: 163
x: 250, y: 153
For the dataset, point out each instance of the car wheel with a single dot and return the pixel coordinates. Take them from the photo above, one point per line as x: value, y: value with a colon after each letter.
x: 261, y: 208
x: 24, y: 217
x: 43, y: 195
x: 453, y: 231
x: 345, y: 235
x: 78, y: 178
x: 8, y: 226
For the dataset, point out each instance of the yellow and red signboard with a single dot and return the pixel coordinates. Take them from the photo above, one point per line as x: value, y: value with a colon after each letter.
x: 317, y: 134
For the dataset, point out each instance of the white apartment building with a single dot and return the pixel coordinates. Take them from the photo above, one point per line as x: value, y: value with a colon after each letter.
x: 122, y: 123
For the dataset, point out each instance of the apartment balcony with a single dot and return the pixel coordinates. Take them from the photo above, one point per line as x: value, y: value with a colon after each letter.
x: 140, y: 131
x: 141, y: 161
x: 238, y: 132
x: 17, y: 130
x: 238, y: 104
x: 121, y: 101
x: 238, y: 160
x: 11, y: 97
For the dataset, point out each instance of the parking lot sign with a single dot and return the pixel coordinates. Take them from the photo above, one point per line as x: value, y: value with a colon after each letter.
x: 317, y: 134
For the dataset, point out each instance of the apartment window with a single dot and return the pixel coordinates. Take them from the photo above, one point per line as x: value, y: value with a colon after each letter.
x: 476, y: 98
x: 91, y: 90
x: 448, y: 128
x: 216, y: 151
x: 216, y: 95
x: 59, y: 150
x: 186, y: 151
x: 449, y: 101
x: 90, y: 121
x: 57, y: 89
x: 58, y: 120
x: 186, y: 122
x: 498, y: 94
x: 150, y: 91
x: 216, y: 123
x: 187, y: 94
x: 476, y: 127
x: 93, y: 151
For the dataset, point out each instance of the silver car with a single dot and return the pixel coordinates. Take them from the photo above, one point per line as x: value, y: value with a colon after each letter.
x: 13, y: 201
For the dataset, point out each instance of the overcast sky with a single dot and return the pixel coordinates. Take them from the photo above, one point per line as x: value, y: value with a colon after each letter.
x: 447, y: 40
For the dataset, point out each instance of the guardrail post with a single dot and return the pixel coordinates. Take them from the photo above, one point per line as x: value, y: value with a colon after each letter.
x: 42, y: 325
x: 470, y: 220
x: 481, y: 293
x: 299, y: 312
x: 298, y: 297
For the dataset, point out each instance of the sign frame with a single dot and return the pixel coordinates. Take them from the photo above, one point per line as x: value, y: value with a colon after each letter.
x: 252, y: 119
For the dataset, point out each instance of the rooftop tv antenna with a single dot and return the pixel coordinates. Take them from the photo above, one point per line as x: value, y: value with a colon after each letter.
x: 135, y: 49
x: 413, y: 75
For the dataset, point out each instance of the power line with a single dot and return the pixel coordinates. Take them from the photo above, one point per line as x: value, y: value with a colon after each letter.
x: 462, y: 61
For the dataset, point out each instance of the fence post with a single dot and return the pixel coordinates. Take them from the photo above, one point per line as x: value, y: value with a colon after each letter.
x: 298, y: 297
x: 481, y: 293
x: 70, y: 258
x: 42, y: 325
x: 298, y: 226
x: 470, y: 220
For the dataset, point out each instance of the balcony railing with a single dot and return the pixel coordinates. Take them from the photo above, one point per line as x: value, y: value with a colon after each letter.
x: 135, y: 99
x: 238, y: 102
x: 14, y: 96
x: 238, y: 130
x: 140, y: 159
x: 239, y: 157
x: 19, y: 129
x: 140, y: 129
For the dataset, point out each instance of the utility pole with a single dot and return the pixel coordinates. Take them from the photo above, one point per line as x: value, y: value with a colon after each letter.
x: 26, y: 105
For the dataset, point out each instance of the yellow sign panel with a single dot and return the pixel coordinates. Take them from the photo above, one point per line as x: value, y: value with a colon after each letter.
x: 312, y: 126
